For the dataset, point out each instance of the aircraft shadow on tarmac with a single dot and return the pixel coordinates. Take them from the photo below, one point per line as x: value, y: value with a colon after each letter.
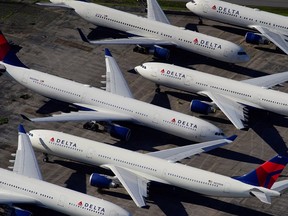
x: 161, y: 195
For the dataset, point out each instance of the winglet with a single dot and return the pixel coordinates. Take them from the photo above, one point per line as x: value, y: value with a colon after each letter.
x: 83, y: 37
x: 21, y: 129
x: 232, y: 138
x: 107, y: 52
x: 25, y: 117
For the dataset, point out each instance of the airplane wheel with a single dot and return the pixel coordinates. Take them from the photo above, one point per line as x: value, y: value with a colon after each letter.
x: 157, y: 90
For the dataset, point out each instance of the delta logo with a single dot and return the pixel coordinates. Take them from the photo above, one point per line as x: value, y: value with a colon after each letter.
x: 172, y: 74
x: 91, y: 206
x: 63, y: 142
x: 183, y: 123
x: 214, y: 7
x: 228, y: 10
x: 205, y: 43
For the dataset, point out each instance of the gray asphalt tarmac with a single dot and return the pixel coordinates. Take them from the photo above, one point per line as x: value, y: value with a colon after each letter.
x: 50, y: 43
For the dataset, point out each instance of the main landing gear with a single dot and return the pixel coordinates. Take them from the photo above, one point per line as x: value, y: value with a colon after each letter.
x: 46, y: 158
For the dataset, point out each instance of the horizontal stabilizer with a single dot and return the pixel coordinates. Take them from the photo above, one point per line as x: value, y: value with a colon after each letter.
x: 280, y: 186
x: 261, y: 196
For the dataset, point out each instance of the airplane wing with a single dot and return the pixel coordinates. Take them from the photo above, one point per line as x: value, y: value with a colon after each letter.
x: 269, y: 80
x: 233, y: 110
x: 278, y: 39
x: 53, y: 5
x: 135, y: 185
x: 177, y: 154
x: 154, y: 12
x: 82, y: 116
x: 25, y: 160
x: 115, y: 82
x: 130, y: 41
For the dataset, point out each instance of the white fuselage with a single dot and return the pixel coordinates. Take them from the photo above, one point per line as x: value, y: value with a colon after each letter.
x: 149, y: 167
x: 238, y: 15
x: 136, y: 25
x: 142, y: 113
x: 196, y: 82
x: 38, y: 192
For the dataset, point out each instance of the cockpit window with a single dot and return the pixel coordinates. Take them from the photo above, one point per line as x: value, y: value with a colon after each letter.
x: 242, y: 53
x: 143, y: 66
x: 219, y: 134
x: 193, y: 1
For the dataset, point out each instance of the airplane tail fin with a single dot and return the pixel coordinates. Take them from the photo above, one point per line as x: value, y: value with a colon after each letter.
x: 7, y: 54
x: 266, y: 174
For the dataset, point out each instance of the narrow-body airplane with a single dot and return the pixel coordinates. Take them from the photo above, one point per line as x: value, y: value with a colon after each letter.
x: 114, y: 104
x: 271, y: 27
x: 233, y: 97
x: 154, y: 31
x: 134, y: 170
x: 25, y: 186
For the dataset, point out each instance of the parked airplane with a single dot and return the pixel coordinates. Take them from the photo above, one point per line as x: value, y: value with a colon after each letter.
x: 25, y: 186
x: 272, y: 27
x: 114, y: 104
x: 134, y: 170
x: 233, y: 97
x: 153, y: 32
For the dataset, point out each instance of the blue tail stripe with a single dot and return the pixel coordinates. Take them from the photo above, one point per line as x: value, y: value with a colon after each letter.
x: 12, y: 59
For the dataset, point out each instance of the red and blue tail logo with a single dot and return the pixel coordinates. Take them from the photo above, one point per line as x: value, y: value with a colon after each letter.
x: 7, y: 55
x: 267, y: 173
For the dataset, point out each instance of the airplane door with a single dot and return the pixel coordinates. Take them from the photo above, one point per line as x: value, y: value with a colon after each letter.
x: 205, y: 8
x: 61, y: 201
x: 227, y: 188
x: 25, y: 78
x: 155, y: 118
x: 188, y: 80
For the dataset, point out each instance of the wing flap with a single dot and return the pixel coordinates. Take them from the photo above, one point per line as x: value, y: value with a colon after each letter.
x: 115, y: 81
x: 176, y: 154
x: 25, y: 160
x: 154, y: 12
x: 232, y: 109
x: 277, y: 38
x: 135, y: 185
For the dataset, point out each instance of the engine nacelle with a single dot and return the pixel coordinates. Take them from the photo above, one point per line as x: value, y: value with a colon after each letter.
x: 257, y: 39
x: 20, y: 212
x: 160, y: 52
x: 101, y: 181
x: 119, y: 132
x: 157, y: 51
x: 200, y: 107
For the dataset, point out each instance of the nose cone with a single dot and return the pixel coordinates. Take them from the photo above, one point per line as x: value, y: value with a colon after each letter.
x: 138, y: 69
x: 242, y: 56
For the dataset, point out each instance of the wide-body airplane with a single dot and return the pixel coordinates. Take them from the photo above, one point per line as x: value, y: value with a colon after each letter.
x: 134, y: 170
x: 233, y: 97
x: 25, y: 186
x: 271, y: 27
x: 154, y: 31
x: 114, y: 104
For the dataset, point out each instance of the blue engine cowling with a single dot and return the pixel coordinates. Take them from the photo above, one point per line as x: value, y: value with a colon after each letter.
x: 257, y: 39
x: 160, y: 52
x: 200, y: 107
x: 20, y: 212
x: 119, y: 132
x: 101, y: 181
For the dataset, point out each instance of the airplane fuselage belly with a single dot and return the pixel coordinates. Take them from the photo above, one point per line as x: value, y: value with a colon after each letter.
x: 54, y: 197
x: 149, y: 167
x: 156, y: 117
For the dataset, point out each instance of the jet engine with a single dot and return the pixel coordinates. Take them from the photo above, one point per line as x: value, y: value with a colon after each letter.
x: 20, y: 212
x: 101, y: 181
x: 201, y: 107
x: 157, y: 51
x: 257, y: 39
x: 119, y: 132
